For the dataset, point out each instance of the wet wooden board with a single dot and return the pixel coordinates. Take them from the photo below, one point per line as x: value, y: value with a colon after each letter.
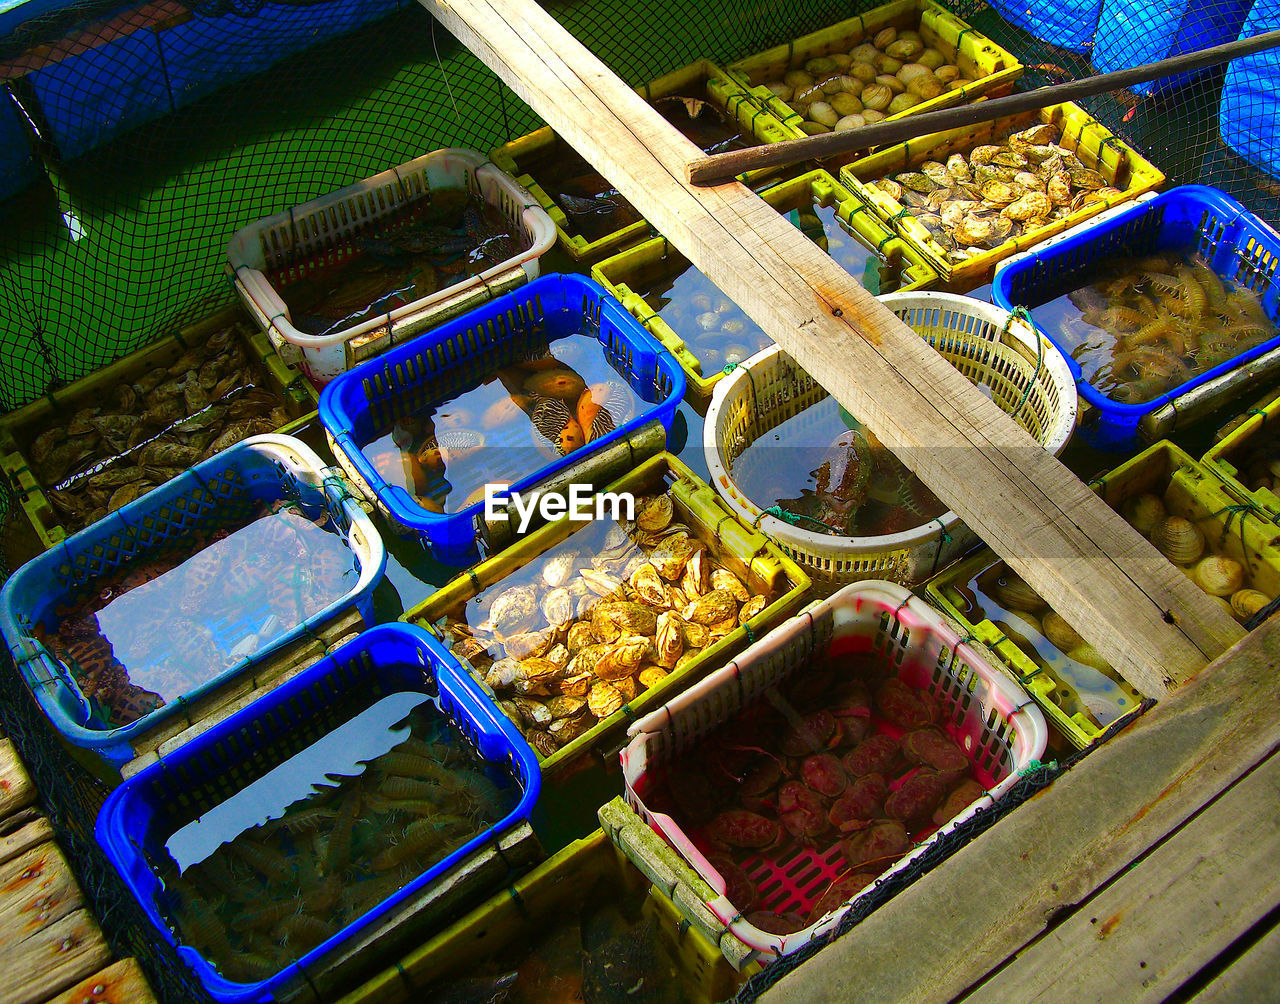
x: 48, y: 939
x: 1151, y: 930
x: 16, y: 789
x: 203, y: 714
x: 1141, y: 613
x: 120, y: 983
x: 21, y: 832
x: 1250, y: 977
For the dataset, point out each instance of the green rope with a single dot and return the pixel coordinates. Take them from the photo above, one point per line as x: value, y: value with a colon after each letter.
x: 1036, y: 765
x: 1024, y: 315
x: 787, y: 517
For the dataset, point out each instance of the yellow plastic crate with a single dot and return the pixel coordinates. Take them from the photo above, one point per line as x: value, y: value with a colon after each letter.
x: 995, y: 70
x: 1092, y: 142
x: 553, y: 890
x: 1227, y: 457
x: 525, y: 158
x: 950, y: 592
x: 748, y: 553
x: 653, y: 259
x: 18, y: 429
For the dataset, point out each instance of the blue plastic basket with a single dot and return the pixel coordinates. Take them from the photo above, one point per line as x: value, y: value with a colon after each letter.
x: 441, y: 363
x: 222, y: 488
x: 1193, y: 218
x: 384, y: 660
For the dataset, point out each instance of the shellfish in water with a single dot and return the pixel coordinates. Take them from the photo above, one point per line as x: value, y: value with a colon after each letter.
x: 1219, y: 575
x: 1010, y: 590
x: 1144, y: 511
x: 1247, y: 602
x: 1178, y: 539
x: 1062, y: 635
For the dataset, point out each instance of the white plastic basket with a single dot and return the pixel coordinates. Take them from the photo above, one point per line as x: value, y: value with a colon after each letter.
x: 324, y: 223
x: 993, y: 349
x: 990, y: 716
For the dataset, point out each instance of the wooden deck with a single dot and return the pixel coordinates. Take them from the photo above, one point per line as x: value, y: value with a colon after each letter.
x: 1148, y: 866
x: 51, y: 948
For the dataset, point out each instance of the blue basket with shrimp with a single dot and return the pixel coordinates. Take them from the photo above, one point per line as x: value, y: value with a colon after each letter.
x: 263, y: 848
x: 127, y: 622
x: 1239, y: 248
x: 519, y: 353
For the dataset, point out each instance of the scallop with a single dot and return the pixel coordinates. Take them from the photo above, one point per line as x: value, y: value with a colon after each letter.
x: 1144, y: 511
x: 1178, y: 539
x: 1219, y: 575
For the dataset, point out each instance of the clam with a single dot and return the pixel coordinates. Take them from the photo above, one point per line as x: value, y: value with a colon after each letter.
x: 1178, y: 539
x: 1144, y: 511
x: 1013, y: 593
x: 1060, y: 634
x: 1247, y: 602
x: 876, y: 97
x: 1219, y: 575
x: 1087, y: 655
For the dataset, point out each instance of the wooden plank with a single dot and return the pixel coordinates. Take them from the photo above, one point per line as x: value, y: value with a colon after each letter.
x: 16, y: 789
x: 120, y: 983
x: 24, y: 838
x: 1110, y: 584
x: 1164, y: 919
x: 52, y: 958
x: 1252, y: 977
x: 1005, y: 888
x: 203, y: 714
x: 47, y: 938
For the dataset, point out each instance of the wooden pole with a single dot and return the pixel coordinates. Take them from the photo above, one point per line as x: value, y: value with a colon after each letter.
x: 1150, y: 621
x: 706, y: 170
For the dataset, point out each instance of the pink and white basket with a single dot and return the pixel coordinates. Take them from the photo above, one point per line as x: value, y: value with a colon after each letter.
x: 985, y: 712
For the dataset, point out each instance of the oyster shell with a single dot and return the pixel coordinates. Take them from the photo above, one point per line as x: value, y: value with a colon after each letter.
x: 514, y: 610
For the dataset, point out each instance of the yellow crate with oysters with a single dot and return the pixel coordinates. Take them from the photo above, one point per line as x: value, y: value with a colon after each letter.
x: 1187, y: 513
x: 580, y: 627
x: 919, y: 188
x: 903, y: 58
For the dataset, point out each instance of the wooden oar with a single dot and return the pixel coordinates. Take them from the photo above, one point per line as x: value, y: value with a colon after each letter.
x: 707, y: 170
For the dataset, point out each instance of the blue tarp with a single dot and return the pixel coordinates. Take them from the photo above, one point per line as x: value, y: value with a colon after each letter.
x: 1068, y: 24
x: 1133, y: 32
x: 1249, y: 116
x: 99, y: 94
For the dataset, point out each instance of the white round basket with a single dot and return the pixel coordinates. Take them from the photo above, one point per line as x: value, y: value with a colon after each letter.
x: 1018, y: 367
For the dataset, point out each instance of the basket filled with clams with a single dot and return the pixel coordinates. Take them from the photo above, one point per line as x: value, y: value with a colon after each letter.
x: 1248, y: 459
x: 827, y: 758
x: 706, y: 330
x: 1185, y: 510
x: 500, y: 400
x: 580, y: 627
x: 968, y: 198
x: 904, y: 58
x: 709, y: 107
x: 82, y: 452
x: 1166, y: 309
x: 198, y: 581
x: 785, y: 456
x: 1077, y: 689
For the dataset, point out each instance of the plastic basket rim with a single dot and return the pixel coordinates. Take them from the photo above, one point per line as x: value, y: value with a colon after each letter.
x: 825, y: 545
x: 25, y: 650
x: 337, y: 420
x: 1046, y: 253
x: 267, y: 305
x: 110, y: 825
x: 1026, y: 717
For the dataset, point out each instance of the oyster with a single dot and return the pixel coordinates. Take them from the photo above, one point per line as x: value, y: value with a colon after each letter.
x: 514, y: 610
